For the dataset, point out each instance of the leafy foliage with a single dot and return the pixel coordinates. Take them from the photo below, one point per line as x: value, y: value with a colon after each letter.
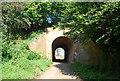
x: 99, y: 21
x: 96, y: 21
x: 38, y: 13
x: 20, y: 63
x: 17, y: 50
x: 96, y: 17
x: 13, y: 19
x: 17, y: 61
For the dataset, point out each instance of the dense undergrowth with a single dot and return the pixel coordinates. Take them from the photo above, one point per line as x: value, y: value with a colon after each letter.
x: 17, y: 31
x: 89, y: 72
x: 97, y: 21
x: 20, y: 63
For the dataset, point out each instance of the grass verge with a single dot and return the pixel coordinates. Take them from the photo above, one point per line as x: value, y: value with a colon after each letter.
x: 89, y: 72
x: 20, y: 63
x: 23, y: 68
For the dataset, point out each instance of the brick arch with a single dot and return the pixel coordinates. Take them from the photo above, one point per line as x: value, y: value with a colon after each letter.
x: 66, y: 44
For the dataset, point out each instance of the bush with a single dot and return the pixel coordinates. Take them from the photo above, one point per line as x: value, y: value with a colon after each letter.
x: 16, y: 49
x: 20, y: 63
x: 32, y: 55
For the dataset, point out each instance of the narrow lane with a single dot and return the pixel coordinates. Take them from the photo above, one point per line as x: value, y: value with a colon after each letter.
x: 58, y: 71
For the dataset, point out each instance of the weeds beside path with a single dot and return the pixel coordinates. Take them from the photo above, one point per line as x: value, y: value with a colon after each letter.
x: 20, y: 63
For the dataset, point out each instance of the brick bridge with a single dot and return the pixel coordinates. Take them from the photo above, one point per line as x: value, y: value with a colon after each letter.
x: 54, y: 38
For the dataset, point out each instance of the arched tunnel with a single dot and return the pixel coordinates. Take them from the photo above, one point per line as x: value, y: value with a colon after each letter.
x: 66, y: 44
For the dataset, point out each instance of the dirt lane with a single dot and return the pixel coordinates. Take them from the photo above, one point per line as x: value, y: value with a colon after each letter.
x: 58, y: 71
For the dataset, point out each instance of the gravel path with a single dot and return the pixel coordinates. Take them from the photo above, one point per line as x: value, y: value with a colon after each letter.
x: 58, y: 71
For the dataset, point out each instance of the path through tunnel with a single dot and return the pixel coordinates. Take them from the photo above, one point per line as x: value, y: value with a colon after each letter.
x: 64, y: 43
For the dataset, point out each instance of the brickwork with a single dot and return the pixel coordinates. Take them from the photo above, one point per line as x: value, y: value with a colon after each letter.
x: 79, y: 52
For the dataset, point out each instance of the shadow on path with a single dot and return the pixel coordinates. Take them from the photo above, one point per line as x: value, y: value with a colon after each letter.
x: 65, y: 69
x: 59, y: 71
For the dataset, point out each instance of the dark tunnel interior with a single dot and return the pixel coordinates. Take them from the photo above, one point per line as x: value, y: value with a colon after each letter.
x: 61, y: 42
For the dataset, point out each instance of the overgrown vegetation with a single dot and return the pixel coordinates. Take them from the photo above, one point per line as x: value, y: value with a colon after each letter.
x: 89, y: 72
x: 18, y: 48
x: 17, y: 61
x: 20, y: 63
x: 44, y: 14
x: 98, y: 21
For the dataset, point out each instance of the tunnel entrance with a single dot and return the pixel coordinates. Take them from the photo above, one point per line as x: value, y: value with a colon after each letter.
x: 65, y: 45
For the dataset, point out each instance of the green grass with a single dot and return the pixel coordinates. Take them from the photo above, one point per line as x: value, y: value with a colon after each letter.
x: 20, y: 63
x: 89, y: 72
x: 23, y: 68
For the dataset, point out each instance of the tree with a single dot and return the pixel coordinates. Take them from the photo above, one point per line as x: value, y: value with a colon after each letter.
x: 97, y: 21
x: 43, y: 13
x: 13, y: 19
